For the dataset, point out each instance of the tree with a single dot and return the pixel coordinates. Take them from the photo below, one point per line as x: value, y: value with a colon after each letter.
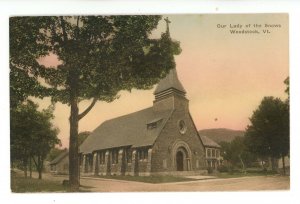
x: 44, y: 138
x: 268, y: 134
x: 100, y: 56
x: 32, y: 135
x: 24, y: 50
x: 20, y: 137
x: 237, y: 153
x: 287, y: 83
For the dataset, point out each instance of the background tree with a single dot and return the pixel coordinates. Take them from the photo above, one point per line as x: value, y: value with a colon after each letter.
x: 21, y: 125
x: 44, y: 138
x: 100, y: 56
x: 287, y: 90
x: 268, y: 134
x: 237, y: 153
x: 32, y: 135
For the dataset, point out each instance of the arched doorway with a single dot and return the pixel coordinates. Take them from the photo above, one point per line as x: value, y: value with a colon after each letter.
x: 181, y: 156
x: 179, y: 161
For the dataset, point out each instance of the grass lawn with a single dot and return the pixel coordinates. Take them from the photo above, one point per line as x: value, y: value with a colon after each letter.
x: 149, y: 179
x: 22, y: 185
x: 170, y: 179
x: 243, y: 174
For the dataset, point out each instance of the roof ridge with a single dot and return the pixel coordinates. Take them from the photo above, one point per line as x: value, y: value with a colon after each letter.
x: 60, y: 157
x: 118, y: 117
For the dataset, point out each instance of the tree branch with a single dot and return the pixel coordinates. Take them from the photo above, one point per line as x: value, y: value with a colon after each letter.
x: 62, y: 23
x: 81, y: 115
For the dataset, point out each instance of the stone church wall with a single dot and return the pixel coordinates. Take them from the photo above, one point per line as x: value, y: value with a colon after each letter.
x: 163, y: 158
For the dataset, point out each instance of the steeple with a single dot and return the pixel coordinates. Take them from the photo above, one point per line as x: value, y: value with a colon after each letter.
x: 170, y: 94
x: 169, y: 85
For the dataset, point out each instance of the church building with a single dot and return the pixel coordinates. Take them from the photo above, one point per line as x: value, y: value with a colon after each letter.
x: 159, y: 140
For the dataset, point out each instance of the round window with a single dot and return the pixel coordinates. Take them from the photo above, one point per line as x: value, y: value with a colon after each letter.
x: 182, y: 126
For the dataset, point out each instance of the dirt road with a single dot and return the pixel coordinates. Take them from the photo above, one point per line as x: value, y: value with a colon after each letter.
x: 254, y: 183
x: 233, y: 184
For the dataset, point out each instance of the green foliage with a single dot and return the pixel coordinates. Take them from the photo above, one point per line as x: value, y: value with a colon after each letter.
x: 223, y: 168
x: 24, y: 50
x: 268, y: 134
x: 20, y: 129
x: 107, y: 54
x: 287, y: 83
x: 23, y: 185
x: 32, y: 133
x: 210, y: 170
x: 150, y: 179
x: 238, y: 174
x: 237, y: 153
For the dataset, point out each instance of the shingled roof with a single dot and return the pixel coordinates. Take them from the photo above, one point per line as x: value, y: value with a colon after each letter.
x: 207, y: 142
x: 59, y: 157
x: 128, y: 130
x: 171, y: 81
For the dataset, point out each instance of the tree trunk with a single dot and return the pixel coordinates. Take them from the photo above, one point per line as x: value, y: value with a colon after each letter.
x: 74, y: 176
x: 30, y: 168
x: 73, y: 142
x: 25, y: 167
x: 73, y: 148
x: 243, y: 165
x: 283, y: 164
x: 273, y: 163
x: 40, y: 167
x: 40, y: 173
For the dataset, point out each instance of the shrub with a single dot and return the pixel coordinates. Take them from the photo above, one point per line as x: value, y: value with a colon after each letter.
x: 223, y: 168
x: 209, y: 170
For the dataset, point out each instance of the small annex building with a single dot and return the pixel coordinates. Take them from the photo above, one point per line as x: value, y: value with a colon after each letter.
x: 212, y: 152
x: 158, y: 140
x: 60, y: 165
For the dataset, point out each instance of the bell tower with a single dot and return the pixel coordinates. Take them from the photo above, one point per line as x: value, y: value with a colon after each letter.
x: 170, y: 94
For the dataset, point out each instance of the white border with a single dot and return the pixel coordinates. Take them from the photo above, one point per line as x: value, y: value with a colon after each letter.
x: 55, y: 7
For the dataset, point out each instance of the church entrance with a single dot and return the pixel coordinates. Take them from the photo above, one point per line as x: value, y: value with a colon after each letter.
x: 179, y: 161
x: 181, y: 157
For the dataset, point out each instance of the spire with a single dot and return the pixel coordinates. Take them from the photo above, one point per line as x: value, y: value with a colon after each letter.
x: 167, y: 22
x: 171, y: 81
x: 169, y: 93
x: 169, y: 85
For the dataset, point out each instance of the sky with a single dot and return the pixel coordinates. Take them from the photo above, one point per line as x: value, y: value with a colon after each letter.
x: 225, y: 75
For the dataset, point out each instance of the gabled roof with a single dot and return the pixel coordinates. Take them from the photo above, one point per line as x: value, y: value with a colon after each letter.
x: 207, y: 142
x: 59, y: 157
x: 171, y: 81
x: 127, y: 130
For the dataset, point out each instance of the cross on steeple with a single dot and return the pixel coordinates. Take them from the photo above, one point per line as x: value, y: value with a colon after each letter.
x: 167, y: 22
